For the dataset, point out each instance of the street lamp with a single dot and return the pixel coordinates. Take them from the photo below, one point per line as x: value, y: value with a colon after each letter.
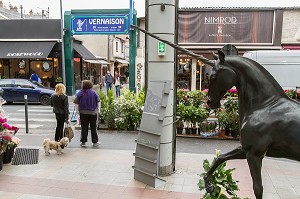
x: 62, y: 44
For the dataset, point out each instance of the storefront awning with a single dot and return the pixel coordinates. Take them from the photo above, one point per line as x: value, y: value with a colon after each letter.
x: 30, y: 50
x: 96, y: 61
x: 122, y: 61
x: 83, y: 51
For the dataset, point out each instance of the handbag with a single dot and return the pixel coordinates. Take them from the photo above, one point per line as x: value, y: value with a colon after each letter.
x: 68, y: 131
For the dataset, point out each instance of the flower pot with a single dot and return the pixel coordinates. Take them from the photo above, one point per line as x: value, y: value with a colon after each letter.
x: 221, y: 133
x: 234, y: 133
x: 8, y: 155
x: 194, y: 130
x: 188, y: 131
x: 227, y: 132
x: 131, y: 128
x: 179, y: 130
x: 1, y: 161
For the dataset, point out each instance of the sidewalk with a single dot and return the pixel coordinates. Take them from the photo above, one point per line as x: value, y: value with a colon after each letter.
x: 108, y: 174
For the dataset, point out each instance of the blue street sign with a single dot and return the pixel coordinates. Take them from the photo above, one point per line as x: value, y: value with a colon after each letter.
x: 99, y: 24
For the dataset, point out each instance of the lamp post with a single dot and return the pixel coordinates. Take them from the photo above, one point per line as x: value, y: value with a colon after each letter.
x: 62, y: 45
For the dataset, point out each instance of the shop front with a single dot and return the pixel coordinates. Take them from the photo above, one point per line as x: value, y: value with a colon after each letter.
x: 204, y: 31
x: 35, y: 46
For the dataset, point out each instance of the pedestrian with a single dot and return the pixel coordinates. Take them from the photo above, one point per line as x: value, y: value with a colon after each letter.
x: 88, y: 104
x: 118, y: 83
x: 108, y: 81
x: 60, y: 104
x: 34, y: 77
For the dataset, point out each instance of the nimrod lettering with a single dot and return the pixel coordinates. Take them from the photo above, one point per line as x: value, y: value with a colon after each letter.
x: 116, y: 21
x: 220, y: 20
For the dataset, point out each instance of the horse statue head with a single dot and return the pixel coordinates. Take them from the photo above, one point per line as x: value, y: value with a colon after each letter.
x: 221, y: 80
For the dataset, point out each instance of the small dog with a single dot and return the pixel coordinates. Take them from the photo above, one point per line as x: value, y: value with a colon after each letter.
x: 57, y: 146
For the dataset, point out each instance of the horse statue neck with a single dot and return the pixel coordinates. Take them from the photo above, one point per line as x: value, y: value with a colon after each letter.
x: 257, y: 87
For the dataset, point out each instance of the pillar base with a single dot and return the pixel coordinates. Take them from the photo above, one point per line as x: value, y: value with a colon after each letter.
x: 165, y: 170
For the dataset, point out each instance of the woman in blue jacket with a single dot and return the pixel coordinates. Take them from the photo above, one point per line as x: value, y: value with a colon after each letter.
x: 88, y: 104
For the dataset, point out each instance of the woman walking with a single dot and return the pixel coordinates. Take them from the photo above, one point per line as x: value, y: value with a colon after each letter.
x: 118, y: 84
x: 60, y: 104
x: 88, y: 104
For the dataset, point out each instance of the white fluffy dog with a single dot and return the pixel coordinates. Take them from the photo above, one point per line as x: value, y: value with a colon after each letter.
x: 57, y: 146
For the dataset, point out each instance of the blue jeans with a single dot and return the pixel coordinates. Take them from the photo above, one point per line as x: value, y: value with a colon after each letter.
x: 108, y: 86
x: 118, y: 92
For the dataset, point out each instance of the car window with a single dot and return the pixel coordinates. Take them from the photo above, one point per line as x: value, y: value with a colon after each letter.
x: 6, y: 83
x: 23, y: 84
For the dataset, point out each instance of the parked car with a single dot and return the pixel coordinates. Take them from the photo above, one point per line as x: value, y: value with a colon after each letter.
x: 15, y: 89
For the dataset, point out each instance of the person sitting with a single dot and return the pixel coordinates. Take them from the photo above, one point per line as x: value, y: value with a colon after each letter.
x: 34, y: 76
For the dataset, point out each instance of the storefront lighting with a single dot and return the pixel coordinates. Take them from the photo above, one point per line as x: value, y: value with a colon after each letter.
x: 38, y: 65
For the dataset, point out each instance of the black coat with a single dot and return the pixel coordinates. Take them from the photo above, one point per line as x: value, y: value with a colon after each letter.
x: 60, y: 105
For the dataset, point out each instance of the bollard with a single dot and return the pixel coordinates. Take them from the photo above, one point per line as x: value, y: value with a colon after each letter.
x: 26, y: 113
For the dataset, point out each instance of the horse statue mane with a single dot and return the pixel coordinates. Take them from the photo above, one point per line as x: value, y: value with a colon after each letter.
x: 269, y: 119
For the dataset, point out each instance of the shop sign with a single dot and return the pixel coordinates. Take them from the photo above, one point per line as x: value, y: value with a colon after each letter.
x: 99, y: 24
x: 211, y: 27
x: 30, y: 54
x: 140, y: 74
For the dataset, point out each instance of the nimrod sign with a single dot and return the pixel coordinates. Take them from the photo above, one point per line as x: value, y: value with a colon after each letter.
x: 99, y: 24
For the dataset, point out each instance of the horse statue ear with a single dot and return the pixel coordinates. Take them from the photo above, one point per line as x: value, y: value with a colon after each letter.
x: 215, y: 56
x: 221, y: 56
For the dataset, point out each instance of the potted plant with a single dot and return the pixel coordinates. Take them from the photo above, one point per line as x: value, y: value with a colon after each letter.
x: 228, y: 117
x: 179, y: 117
x: 8, y: 140
x: 207, y: 128
x: 58, y: 80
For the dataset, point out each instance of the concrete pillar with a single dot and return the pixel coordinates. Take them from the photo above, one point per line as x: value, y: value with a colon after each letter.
x: 161, y: 18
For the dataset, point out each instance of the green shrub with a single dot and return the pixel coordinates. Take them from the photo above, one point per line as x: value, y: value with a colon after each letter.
x: 221, y: 180
x: 123, y: 112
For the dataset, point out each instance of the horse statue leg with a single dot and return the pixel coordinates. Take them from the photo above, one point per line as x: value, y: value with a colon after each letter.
x: 237, y: 153
x: 255, y: 164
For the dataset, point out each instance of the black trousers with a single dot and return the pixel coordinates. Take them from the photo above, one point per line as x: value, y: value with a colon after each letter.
x: 60, y: 120
x: 86, y: 120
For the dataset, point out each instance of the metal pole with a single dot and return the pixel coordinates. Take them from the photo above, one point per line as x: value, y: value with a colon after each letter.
x: 26, y: 113
x: 62, y: 45
x: 21, y: 7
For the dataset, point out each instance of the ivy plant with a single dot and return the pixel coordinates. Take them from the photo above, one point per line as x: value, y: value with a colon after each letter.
x: 224, y: 185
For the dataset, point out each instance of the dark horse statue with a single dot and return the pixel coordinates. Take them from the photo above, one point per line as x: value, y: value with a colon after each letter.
x: 269, y: 119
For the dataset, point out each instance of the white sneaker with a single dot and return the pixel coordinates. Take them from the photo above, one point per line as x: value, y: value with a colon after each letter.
x: 82, y: 144
x: 97, y: 144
